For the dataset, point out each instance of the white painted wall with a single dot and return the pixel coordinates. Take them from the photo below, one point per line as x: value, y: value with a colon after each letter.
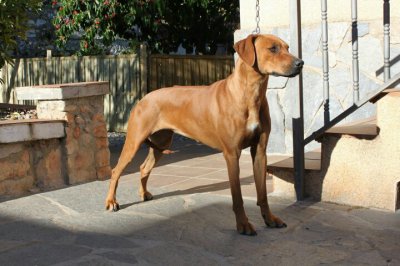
x: 274, y: 13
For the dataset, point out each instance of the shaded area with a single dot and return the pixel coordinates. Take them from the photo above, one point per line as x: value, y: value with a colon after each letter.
x: 193, y: 229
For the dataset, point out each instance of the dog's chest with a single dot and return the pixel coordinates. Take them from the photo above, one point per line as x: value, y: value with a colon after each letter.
x: 253, y: 117
x: 252, y: 125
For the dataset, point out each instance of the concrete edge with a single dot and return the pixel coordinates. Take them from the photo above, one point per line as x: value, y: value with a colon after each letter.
x: 62, y: 91
x: 31, y: 130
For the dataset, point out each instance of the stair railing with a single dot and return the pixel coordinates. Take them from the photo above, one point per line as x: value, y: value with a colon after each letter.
x: 299, y: 142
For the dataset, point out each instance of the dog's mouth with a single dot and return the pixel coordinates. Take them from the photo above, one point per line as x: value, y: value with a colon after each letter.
x: 291, y: 74
x: 294, y: 70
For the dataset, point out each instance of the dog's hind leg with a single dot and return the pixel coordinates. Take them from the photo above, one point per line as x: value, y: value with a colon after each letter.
x: 145, y: 170
x: 159, y: 142
x: 127, y: 154
x: 139, y: 129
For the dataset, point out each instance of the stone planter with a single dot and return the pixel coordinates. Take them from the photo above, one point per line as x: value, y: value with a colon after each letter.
x: 66, y: 145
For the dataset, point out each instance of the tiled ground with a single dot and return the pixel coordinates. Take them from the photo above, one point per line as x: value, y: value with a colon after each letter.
x: 192, y: 167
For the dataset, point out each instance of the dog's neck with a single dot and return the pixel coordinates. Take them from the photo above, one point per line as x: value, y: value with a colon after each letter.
x: 248, y: 87
x: 248, y: 84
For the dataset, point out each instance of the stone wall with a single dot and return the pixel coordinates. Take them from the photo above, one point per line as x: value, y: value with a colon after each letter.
x: 66, y: 145
x: 31, y: 166
x: 280, y: 90
x: 86, y: 140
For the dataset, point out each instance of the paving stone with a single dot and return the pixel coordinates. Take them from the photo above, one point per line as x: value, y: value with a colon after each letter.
x: 42, y: 254
x: 120, y: 257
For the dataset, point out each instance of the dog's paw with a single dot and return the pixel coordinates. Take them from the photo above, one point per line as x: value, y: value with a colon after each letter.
x: 246, y: 229
x: 112, y: 205
x: 274, y: 222
x: 146, y: 196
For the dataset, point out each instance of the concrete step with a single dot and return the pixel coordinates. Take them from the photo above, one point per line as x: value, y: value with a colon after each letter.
x: 364, y: 127
x: 312, y: 160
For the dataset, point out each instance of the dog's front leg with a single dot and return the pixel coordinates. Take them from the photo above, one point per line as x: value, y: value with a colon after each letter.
x: 242, y: 223
x: 259, y: 158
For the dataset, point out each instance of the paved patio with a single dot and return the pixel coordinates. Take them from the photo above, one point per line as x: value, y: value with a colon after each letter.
x: 189, y: 222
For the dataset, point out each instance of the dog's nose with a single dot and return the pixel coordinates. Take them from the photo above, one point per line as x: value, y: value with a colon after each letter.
x: 298, y: 63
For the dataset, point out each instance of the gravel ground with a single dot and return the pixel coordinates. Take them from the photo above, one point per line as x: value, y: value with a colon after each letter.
x: 116, y: 139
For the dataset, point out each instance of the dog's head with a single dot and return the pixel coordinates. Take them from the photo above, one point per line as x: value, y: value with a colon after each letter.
x: 268, y: 54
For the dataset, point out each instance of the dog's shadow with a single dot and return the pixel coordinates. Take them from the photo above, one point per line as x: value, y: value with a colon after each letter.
x: 199, y: 189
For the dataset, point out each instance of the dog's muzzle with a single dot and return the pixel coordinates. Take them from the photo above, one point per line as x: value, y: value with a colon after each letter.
x: 296, y: 68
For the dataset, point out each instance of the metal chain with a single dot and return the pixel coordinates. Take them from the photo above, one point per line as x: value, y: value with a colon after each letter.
x: 257, y: 30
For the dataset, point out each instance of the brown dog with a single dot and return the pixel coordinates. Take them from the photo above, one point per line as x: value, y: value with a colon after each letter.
x: 229, y: 115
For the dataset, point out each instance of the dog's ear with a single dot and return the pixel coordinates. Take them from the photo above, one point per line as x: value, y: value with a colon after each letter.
x: 246, y: 50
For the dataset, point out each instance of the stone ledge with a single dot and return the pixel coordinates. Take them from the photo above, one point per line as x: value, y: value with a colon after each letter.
x: 27, y: 130
x: 62, y: 91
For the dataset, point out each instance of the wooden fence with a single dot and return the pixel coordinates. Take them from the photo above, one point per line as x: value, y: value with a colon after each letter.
x: 169, y: 70
x: 130, y: 76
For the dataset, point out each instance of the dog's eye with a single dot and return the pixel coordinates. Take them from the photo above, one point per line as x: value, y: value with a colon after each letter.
x: 274, y: 49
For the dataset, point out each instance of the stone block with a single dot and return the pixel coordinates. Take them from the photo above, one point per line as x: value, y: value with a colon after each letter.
x: 79, y: 120
x: 77, y: 132
x: 7, y: 150
x: 103, y: 157
x: 276, y: 143
x: 71, y: 145
x: 101, y: 143
x: 100, y: 130
x: 104, y: 172
x: 277, y: 82
x: 81, y: 176
x: 86, y: 140
x: 16, y: 187
x: 16, y: 174
x: 82, y: 159
x: 99, y: 117
x: 311, y: 38
x: 368, y: 46
x: 49, y: 169
x: 336, y: 35
x: 70, y: 118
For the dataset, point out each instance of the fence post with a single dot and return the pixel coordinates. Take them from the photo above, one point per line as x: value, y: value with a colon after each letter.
x: 49, y: 54
x: 3, y: 86
x: 297, y: 119
x: 143, y: 70
x: 50, y: 79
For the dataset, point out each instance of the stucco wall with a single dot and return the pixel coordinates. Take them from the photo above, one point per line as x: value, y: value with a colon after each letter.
x: 274, y: 20
x: 276, y: 13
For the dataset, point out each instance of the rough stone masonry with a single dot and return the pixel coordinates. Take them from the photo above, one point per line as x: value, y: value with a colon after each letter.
x: 76, y: 151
